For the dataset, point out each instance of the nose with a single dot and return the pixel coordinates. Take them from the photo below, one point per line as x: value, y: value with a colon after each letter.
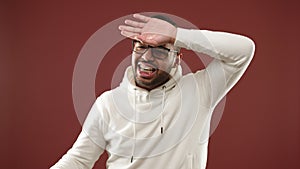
x: 147, y: 56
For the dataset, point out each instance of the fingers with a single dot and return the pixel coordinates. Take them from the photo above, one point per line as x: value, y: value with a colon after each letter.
x: 135, y: 26
x: 133, y: 29
x: 134, y: 23
x: 130, y: 35
x: 130, y: 29
x: 142, y: 17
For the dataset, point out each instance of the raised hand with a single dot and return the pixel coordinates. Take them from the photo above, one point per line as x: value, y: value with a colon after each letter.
x: 151, y: 31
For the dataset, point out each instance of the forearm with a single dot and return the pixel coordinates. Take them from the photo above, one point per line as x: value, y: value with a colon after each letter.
x: 82, y: 155
x: 232, y: 49
x: 232, y: 55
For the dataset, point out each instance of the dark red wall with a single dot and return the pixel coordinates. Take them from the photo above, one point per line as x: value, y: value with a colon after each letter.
x: 40, y: 42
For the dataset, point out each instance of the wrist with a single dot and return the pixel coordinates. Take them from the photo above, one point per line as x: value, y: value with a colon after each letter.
x: 173, y: 35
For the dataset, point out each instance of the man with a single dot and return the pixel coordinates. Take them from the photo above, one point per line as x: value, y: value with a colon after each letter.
x: 158, y: 118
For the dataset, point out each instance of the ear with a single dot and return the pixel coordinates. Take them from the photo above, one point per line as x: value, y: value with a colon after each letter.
x: 177, y: 60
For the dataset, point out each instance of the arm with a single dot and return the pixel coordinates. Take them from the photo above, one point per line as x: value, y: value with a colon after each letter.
x: 232, y: 54
x: 82, y: 155
x: 89, y: 144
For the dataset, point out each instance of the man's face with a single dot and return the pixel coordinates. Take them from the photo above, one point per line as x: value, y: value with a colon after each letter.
x: 152, y: 65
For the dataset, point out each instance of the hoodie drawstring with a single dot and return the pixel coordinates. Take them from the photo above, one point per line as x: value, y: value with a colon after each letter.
x: 162, y: 109
x: 134, y: 124
x: 134, y: 127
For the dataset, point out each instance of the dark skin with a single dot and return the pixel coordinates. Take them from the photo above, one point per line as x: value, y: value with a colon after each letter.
x: 160, y: 69
x: 153, y: 32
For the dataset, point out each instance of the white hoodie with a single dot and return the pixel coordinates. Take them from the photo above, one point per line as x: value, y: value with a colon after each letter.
x: 168, y: 127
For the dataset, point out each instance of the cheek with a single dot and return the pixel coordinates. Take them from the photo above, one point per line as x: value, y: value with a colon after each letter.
x: 165, y: 68
x: 133, y: 60
x: 167, y: 65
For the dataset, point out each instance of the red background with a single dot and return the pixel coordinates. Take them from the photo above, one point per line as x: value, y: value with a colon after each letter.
x: 40, y: 42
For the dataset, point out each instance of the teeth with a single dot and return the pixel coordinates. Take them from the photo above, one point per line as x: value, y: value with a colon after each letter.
x: 146, y: 68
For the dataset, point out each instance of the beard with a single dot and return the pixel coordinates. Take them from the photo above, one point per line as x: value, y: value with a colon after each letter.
x: 158, y: 78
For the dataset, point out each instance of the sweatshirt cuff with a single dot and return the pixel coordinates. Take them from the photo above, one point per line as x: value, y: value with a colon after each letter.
x: 193, y: 39
x: 182, y: 38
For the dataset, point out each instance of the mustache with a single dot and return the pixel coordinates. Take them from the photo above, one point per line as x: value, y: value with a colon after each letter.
x: 147, y: 62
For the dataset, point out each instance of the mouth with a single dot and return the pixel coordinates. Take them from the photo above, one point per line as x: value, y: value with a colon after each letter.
x: 146, y: 70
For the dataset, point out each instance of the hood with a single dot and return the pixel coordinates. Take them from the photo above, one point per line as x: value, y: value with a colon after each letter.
x: 140, y: 99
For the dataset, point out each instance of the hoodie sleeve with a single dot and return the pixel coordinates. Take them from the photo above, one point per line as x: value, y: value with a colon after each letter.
x: 88, y: 146
x: 82, y: 155
x: 231, y: 55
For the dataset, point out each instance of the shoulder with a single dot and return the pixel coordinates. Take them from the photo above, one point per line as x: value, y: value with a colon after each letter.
x: 106, y: 95
x: 108, y: 98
